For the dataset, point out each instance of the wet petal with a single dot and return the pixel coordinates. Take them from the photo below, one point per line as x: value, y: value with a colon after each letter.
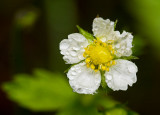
x: 121, y: 75
x: 103, y: 29
x: 84, y: 80
x: 123, y: 45
x: 73, y: 47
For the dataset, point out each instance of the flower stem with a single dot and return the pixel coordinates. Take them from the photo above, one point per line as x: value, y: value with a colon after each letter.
x: 103, y: 82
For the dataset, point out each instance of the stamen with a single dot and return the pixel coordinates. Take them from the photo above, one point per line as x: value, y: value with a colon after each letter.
x: 110, y: 47
x: 84, y: 54
x: 113, y: 62
x: 99, y: 55
x: 108, y: 64
x: 88, y: 60
x: 92, y: 66
x: 104, y: 44
x: 113, y: 51
x: 110, y: 41
x: 103, y: 67
x: 88, y: 65
x: 96, y: 70
x: 107, y: 69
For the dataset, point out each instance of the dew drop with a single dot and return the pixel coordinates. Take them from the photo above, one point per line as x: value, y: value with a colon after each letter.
x: 109, y: 77
x: 132, y: 69
x: 72, y: 68
x: 73, y: 53
x: 74, y: 73
x: 76, y: 48
x: 118, y: 46
x: 64, y: 45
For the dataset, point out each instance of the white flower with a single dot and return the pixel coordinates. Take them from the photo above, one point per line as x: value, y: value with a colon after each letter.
x: 102, y: 55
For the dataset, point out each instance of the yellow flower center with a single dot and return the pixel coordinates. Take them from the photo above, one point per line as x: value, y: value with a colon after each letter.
x: 99, y: 55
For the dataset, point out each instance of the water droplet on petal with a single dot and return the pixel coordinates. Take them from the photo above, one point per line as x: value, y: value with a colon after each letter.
x: 77, y: 67
x: 118, y: 46
x: 64, y: 45
x: 80, y: 57
x: 71, y: 77
x: 109, y: 77
x: 74, y: 73
x: 132, y: 69
x: 67, y: 53
x: 76, y: 48
x: 79, y: 90
x: 72, y: 68
x: 73, y: 53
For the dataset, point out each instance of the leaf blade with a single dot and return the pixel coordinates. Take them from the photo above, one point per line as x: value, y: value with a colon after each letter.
x: 86, y: 34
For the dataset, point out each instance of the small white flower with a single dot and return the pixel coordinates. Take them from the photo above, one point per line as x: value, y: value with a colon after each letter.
x: 104, y: 54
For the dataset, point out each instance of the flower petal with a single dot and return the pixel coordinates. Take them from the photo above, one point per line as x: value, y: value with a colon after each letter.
x: 73, y: 48
x: 84, y: 80
x: 121, y: 75
x: 103, y: 29
x: 124, y: 44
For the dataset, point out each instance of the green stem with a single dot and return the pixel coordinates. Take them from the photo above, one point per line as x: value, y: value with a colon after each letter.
x: 103, y: 82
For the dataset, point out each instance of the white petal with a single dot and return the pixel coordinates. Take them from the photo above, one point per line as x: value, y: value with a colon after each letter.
x: 84, y: 80
x: 64, y: 44
x: 103, y: 29
x: 73, y: 48
x: 123, y: 45
x: 121, y: 75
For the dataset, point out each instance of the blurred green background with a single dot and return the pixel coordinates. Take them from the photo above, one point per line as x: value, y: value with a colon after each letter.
x: 30, y: 32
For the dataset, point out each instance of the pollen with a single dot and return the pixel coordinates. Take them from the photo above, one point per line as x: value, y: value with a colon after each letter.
x: 113, y: 62
x: 103, y: 67
x: 99, y: 55
x: 107, y: 69
x: 88, y: 60
x: 92, y: 66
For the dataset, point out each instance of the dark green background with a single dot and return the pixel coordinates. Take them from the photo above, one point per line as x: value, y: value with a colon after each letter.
x: 25, y: 45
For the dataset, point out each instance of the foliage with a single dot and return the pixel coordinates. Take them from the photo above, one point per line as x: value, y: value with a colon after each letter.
x: 41, y: 91
x: 148, y: 24
x: 86, y: 34
x: 26, y: 18
x: 138, y: 46
x: 46, y: 91
x: 128, y: 57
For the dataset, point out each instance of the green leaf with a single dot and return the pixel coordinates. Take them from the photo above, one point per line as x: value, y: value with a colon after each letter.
x: 147, y: 25
x: 87, y: 35
x: 26, y: 18
x: 117, y: 111
x: 132, y: 113
x: 84, y: 105
x: 127, y: 57
x: 107, y: 102
x: 139, y: 44
x: 80, y: 110
x: 42, y: 91
x: 113, y: 107
x: 115, y: 23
